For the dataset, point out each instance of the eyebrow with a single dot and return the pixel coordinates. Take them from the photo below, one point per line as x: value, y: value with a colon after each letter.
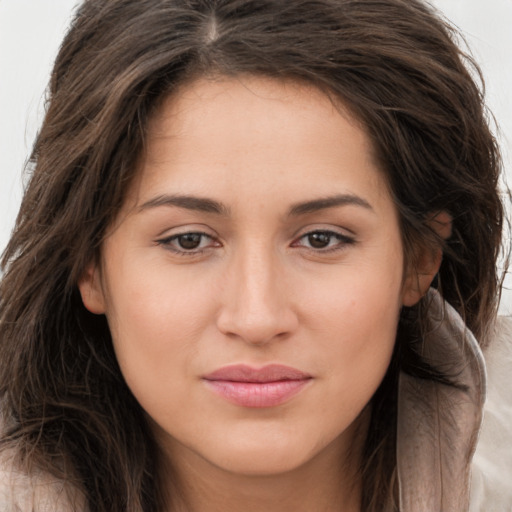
x: 329, y: 202
x: 202, y: 204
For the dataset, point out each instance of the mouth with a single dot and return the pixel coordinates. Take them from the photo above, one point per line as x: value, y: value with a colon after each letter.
x: 245, y: 386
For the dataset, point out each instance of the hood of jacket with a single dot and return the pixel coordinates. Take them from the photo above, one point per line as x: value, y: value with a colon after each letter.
x: 438, y: 424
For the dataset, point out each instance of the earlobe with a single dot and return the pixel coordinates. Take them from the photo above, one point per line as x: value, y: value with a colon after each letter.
x: 91, y: 290
x: 420, y: 275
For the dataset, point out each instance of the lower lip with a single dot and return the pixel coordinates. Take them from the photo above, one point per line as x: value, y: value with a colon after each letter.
x: 257, y: 394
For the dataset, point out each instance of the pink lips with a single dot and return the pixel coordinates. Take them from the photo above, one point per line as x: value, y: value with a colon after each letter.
x: 269, y: 386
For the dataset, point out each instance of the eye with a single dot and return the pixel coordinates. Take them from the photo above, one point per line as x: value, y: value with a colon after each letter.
x: 192, y: 242
x: 323, y: 241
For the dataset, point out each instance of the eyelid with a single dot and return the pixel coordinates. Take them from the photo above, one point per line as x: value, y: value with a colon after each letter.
x: 343, y: 239
x: 324, y: 228
x: 167, y: 240
x: 337, y: 233
x: 181, y: 229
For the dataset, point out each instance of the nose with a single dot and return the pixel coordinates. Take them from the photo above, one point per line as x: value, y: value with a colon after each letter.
x: 257, y: 304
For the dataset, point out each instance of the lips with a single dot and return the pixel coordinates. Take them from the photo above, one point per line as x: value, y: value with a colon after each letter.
x: 245, y: 386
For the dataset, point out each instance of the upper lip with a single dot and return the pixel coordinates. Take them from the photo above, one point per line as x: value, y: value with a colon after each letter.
x: 268, y: 373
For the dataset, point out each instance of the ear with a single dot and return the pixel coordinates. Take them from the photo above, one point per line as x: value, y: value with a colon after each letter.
x: 427, y: 262
x: 91, y: 290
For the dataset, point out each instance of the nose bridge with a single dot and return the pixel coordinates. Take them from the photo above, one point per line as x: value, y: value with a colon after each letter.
x: 256, y: 305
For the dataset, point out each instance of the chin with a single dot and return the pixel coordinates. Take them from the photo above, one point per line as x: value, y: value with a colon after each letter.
x: 263, y: 461
x: 269, y: 452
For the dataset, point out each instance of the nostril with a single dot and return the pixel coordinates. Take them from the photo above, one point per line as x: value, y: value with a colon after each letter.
x: 257, y: 327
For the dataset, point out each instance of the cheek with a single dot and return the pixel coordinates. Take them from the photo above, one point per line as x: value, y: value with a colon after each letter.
x: 363, y: 344
x: 147, y: 295
x: 156, y: 320
x: 363, y: 297
x: 356, y: 322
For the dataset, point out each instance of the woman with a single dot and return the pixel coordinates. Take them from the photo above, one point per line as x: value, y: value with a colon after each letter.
x: 217, y: 293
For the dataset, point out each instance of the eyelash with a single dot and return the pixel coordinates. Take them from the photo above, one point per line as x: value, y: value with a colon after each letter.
x: 342, y: 242
x: 168, y: 241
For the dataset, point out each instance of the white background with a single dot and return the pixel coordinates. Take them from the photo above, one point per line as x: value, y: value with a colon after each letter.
x: 31, y: 31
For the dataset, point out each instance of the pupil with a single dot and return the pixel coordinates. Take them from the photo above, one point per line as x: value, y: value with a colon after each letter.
x: 319, y: 240
x: 190, y: 240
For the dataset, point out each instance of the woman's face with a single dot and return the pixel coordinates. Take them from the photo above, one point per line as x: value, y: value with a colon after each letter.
x: 253, y: 280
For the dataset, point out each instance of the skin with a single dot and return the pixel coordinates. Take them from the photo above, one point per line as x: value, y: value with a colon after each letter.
x: 258, y: 289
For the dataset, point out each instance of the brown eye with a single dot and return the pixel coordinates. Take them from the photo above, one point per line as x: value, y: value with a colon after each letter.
x: 324, y: 241
x: 319, y: 239
x: 189, y: 241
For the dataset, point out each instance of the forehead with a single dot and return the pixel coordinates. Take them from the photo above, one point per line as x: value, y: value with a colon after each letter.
x: 232, y: 135
x: 253, y: 102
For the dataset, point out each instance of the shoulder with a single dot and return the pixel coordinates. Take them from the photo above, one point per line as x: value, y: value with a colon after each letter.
x: 37, y: 492
x: 492, y: 463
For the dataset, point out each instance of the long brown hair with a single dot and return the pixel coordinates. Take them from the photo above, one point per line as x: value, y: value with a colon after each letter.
x: 393, y: 63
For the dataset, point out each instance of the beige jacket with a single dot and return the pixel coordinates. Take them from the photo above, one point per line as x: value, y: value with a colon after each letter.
x: 438, y: 430
x: 439, y: 427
